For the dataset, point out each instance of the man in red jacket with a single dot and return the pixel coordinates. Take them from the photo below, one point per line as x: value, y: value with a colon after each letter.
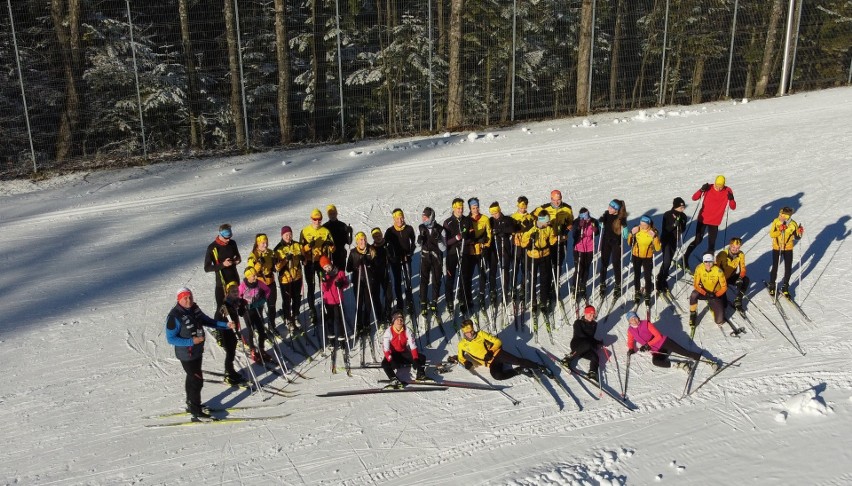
x: 717, y: 198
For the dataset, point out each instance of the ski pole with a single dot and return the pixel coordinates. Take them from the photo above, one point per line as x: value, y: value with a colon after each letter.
x: 626, y: 377
x: 373, y: 307
x: 343, y: 319
x: 236, y: 321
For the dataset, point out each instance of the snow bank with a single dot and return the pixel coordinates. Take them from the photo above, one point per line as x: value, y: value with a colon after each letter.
x: 599, y: 470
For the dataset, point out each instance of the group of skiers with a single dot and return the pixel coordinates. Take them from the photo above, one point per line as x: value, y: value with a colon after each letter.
x: 526, y: 250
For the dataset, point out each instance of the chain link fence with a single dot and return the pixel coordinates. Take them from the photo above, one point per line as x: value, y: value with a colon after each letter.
x: 86, y: 83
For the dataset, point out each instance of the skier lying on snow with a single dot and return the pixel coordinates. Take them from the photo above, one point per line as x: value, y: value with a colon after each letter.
x: 481, y: 348
x: 649, y: 338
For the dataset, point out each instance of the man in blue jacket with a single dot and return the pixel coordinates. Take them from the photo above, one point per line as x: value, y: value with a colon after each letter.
x: 185, y: 331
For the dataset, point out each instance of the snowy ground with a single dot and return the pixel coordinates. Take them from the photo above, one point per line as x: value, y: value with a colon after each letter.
x: 91, y: 263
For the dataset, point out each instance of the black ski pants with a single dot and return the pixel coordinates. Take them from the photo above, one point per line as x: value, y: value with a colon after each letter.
x: 498, y: 368
x: 661, y: 357
x: 194, y: 382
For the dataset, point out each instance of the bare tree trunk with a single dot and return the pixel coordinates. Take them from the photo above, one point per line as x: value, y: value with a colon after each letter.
x: 584, y: 50
x: 191, y: 76
x: 697, y: 78
x: 616, y: 52
x: 507, y: 93
x: 234, y: 70
x: 769, y: 50
x: 67, y: 23
x: 282, y: 53
x: 749, y: 83
x: 455, y: 114
x: 320, y: 123
x: 488, y: 87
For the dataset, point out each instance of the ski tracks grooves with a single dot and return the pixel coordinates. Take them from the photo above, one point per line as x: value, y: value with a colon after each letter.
x: 417, y: 161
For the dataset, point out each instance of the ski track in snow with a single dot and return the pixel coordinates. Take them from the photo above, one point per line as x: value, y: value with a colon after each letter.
x: 74, y: 415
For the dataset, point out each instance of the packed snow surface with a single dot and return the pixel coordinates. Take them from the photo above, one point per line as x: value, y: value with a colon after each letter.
x: 91, y: 263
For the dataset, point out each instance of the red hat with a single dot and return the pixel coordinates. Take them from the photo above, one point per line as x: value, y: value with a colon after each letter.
x: 183, y: 292
x: 324, y: 261
x: 590, y: 309
x: 556, y: 193
x: 286, y: 229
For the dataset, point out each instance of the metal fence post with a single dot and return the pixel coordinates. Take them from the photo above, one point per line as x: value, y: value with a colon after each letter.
x: 591, y: 56
x: 21, y: 80
x: 514, y: 52
x: 665, y: 46
x: 785, y: 69
x: 731, y: 50
x: 339, y: 68
x: 796, y: 44
x: 136, y: 76
x: 242, y: 77
x: 431, y: 74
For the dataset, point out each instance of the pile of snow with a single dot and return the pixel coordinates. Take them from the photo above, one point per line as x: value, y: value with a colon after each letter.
x: 600, y: 470
x: 805, y: 403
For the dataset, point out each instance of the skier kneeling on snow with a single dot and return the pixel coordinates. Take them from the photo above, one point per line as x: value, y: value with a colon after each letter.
x: 400, y: 350
x: 481, y: 348
x: 584, y: 344
x: 650, y: 339
x: 710, y: 285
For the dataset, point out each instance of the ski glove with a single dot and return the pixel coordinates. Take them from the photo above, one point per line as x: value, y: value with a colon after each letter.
x: 468, y: 365
x: 387, y: 356
x: 631, y: 351
x: 340, y: 284
x: 624, y: 232
x: 488, y: 357
x: 800, y: 231
x: 705, y: 187
x: 645, y: 347
x: 730, y: 196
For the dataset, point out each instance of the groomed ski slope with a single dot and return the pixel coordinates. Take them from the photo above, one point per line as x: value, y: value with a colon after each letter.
x: 91, y: 263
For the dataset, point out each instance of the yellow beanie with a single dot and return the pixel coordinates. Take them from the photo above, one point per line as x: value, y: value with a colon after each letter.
x: 360, y: 236
x: 249, y: 272
x: 261, y: 237
x: 331, y: 208
x: 720, y: 180
x: 316, y: 214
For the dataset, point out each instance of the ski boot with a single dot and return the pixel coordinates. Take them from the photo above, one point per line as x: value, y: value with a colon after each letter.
x: 421, y: 375
x: 785, y: 291
x: 423, y: 309
x: 637, y: 298
x: 684, y: 365
x: 648, y: 300
x: 693, y: 316
x: 433, y: 307
x: 234, y: 379
x: 568, y: 359
x: 395, y: 384
x: 580, y: 295
x: 526, y: 372
x: 771, y: 288
x: 450, y: 308
x: 197, y: 412
x: 738, y: 303
x: 592, y: 375
x: 602, y: 291
x: 545, y: 371
x: 616, y: 292
x: 313, y: 313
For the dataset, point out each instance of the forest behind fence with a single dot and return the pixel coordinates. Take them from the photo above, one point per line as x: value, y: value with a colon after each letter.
x: 88, y: 82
